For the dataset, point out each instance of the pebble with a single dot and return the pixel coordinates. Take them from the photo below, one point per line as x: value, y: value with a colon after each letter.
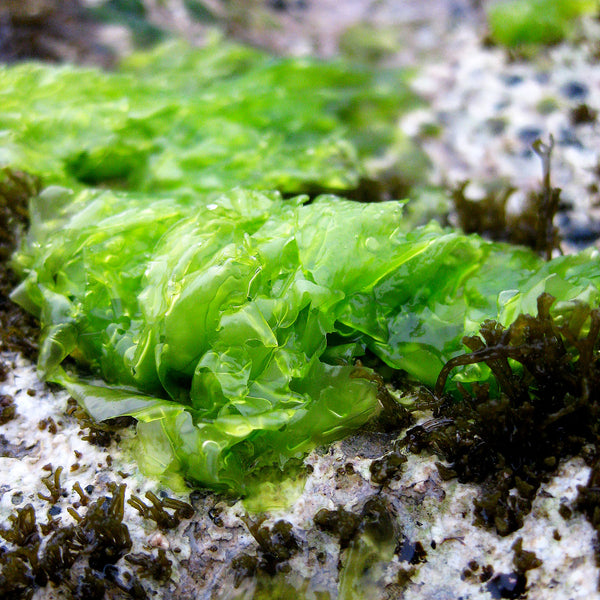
x: 575, y: 90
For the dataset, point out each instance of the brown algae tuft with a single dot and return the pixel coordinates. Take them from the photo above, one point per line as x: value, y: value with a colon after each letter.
x: 543, y: 406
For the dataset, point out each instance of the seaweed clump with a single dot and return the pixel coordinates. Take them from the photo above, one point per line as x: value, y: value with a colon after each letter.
x: 276, y: 545
x: 533, y: 226
x: 99, y: 433
x: 81, y: 558
x: 374, y: 519
x: 368, y: 540
x: 157, y: 512
x: 388, y: 466
x: 100, y: 537
x: 546, y: 408
x: 18, y: 329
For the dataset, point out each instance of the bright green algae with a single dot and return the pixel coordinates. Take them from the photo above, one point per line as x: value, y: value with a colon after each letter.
x: 530, y: 23
x: 228, y: 325
x: 187, y: 120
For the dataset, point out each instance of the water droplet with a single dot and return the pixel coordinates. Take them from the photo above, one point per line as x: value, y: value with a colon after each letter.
x: 372, y: 244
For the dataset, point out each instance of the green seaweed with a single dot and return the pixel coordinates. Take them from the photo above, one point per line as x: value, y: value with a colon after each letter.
x: 183, y: 120
x: 229, y: 327
x: 520, y: 24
